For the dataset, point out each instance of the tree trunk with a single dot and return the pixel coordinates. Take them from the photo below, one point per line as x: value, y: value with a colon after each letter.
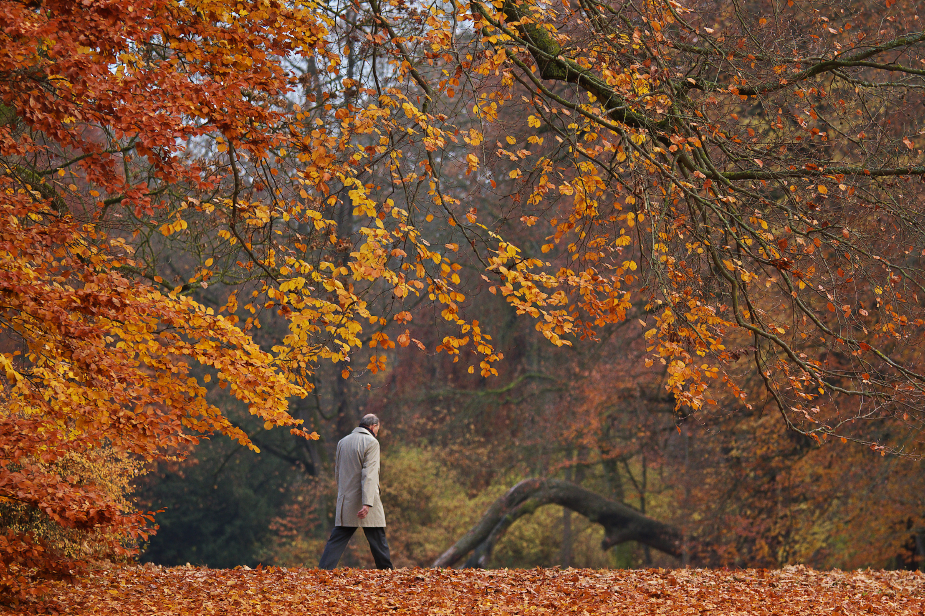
x: 621, y: 523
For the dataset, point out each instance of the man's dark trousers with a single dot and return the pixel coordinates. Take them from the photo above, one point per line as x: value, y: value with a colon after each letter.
x: 339, y: 538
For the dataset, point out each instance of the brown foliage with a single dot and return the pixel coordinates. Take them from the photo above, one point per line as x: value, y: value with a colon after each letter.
x: 792, y: 591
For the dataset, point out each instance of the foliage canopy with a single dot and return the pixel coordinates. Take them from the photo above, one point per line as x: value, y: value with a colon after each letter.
x: 743, y: 178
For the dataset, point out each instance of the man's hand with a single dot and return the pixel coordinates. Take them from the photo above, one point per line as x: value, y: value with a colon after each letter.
x: 362, y: 513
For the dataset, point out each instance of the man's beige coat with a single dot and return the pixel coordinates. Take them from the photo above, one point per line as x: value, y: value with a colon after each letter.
x: 356, y: 468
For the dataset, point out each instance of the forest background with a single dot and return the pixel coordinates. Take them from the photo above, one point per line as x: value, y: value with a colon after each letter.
x: 667, y: 252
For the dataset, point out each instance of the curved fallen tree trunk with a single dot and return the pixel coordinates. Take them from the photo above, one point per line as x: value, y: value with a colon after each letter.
x: 621, y: 523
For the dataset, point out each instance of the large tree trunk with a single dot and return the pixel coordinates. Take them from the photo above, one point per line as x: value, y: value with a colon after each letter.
x: 621, y: 523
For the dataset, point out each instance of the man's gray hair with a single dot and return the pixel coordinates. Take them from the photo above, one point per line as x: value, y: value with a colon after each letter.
x: 369, y: 420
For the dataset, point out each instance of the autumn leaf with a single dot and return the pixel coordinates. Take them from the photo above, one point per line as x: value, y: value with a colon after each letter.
x: 192, y: 590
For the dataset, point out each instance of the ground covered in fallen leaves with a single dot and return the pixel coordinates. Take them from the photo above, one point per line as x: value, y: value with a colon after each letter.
x: 799, y: 591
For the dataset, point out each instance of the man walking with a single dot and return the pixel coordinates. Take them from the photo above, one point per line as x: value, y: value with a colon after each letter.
x: 356, y: 469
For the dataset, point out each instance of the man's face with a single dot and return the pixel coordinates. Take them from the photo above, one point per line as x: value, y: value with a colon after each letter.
x: 374, y: 429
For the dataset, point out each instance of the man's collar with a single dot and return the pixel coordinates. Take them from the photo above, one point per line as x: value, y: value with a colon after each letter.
x: 367, y: 430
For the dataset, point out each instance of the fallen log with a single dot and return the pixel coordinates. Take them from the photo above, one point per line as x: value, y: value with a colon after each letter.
x: 621, y: 522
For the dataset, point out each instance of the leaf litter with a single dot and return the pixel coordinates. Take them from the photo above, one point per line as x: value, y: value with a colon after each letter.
x: 796, y: 590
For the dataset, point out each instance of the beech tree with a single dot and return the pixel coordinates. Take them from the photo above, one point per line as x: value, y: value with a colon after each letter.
x: 96, y: 97
x: 749, y: 173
